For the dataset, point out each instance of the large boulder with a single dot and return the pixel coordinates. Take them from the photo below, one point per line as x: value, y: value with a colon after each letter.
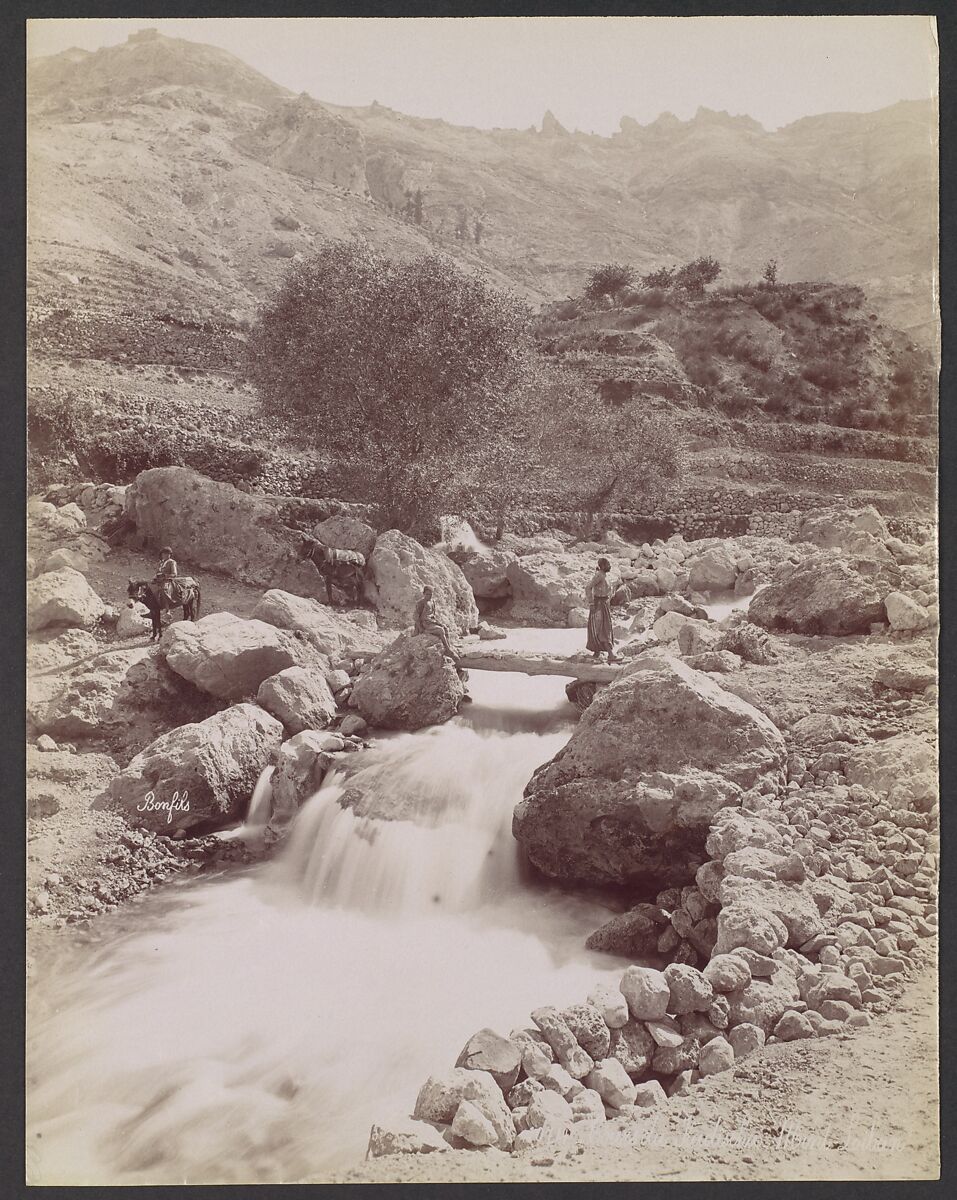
x: 106, y: 691
x: 904, y: 613
x: 489, y: 1051
x: 57, y: 648
x: 199, y: 775
x: 405, y: 1136
x: 330, y: 631
x: 792, y: 904
x: 66, y: 557
x: 713, y: 571
x: 822, y: 594
x: 440, y: 1096
x: 347, y: 533
x: 229, y: 657
x: 219, y: 527
x: 62, y: 598
x: 901, y: 770
x: 298, y: 697
x: 56, y: 522
x: 409, y: 685
x: 762, y: 1002
x: 860, y: 532
x: 487, y: 573
x: 300, y: 769
x: 546, y: 586
x: 630, y: 798
x: 632, y: 934
x: 399, y: 568
x: 133, y: 621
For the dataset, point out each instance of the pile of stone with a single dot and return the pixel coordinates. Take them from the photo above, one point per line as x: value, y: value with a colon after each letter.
x: 812, y: 898
x: 811, y: 909
x: 103, y: 499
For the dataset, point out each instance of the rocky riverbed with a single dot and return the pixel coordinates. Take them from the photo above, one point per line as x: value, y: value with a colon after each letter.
x: 757, y: 791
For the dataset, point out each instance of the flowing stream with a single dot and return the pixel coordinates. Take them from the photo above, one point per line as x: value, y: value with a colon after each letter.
x: 250, y: 1027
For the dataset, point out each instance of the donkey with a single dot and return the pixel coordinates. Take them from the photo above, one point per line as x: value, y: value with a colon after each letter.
x: 345, y: 568
x: 188, y: 595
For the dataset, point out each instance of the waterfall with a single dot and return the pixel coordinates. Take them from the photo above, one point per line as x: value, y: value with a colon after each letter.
x: 250, y: 1027
x: 445, y: 842
x: 260, y: 802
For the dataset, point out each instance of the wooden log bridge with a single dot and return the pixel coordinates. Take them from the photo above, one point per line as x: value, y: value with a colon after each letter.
x: 528, y: 663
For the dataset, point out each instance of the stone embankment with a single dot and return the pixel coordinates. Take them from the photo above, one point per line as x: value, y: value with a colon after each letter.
x: 808, y: 916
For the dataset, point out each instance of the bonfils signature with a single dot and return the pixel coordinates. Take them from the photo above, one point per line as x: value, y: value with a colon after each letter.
x: 178, y: 802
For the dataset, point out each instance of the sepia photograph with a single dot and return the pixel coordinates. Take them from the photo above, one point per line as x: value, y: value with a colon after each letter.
x: 482, y: 600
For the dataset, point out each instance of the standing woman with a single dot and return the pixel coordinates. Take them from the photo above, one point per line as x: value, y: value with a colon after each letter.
x: 598, y: 593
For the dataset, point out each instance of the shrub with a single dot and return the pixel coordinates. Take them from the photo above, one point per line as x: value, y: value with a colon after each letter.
x: 695, y: 276
x: 702, y: 371
x: 664, y: 277
x: 608, y: 279
x: 829, y: 376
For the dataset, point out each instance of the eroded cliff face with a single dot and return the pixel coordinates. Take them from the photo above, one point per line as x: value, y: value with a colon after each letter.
x: 304, y: 138
x: 119, y: 137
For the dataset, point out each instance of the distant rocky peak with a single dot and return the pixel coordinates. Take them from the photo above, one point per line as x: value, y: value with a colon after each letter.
x: 664, y: 122
x: 74, y: 55
x: 146, y: 61
x: 552, y: 127
x: 711, y: 116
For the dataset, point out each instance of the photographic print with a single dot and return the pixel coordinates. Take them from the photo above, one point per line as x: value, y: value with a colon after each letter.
x: 482, y: 600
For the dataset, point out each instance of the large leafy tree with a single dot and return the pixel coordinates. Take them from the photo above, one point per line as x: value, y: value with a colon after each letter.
x: 403, y: 371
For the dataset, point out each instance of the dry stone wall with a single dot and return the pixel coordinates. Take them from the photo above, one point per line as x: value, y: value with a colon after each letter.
x: 717, y: 511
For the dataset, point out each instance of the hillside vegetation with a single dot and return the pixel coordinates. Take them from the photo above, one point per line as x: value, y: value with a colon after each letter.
x: 163, y: 173
x: 811, y: 352
x: 171, y: 189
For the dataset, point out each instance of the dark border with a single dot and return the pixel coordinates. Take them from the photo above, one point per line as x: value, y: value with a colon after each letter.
x: 12, y: 542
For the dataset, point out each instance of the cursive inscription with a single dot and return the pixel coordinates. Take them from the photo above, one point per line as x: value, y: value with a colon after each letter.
x: 177, y: 803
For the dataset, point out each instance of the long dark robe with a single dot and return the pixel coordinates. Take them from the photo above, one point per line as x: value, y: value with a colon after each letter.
x: 600, y: 635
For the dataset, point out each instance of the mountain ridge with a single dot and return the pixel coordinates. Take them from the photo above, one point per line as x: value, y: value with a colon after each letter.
x: 843, y: 196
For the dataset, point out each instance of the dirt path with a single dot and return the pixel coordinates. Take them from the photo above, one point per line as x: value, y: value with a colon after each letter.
x: 109, y: 580
x: 862, y: 1105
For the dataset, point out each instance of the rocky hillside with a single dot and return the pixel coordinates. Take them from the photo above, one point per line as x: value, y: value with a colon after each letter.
x: 170, y: 187
x: 169, y: 174
x: 810, y: 352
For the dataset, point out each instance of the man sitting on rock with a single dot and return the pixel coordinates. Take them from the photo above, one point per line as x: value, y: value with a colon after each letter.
x: 427, y: 621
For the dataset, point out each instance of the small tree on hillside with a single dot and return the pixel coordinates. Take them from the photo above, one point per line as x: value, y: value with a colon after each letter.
x: 664, y: 277
x: 512, y: 466
x: 608, y: 280
x: 770, y: 272
x: 695, y: 276
x: 610, y: 456
x: 402, y: 371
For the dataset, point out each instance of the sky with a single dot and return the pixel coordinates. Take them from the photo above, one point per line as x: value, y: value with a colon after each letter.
x: 589, y: 71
